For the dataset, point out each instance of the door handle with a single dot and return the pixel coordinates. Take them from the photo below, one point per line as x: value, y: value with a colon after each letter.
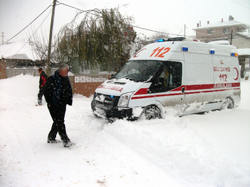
x: 183, y: 90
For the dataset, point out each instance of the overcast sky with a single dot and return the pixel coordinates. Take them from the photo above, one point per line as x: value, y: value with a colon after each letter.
x: 162, y: 15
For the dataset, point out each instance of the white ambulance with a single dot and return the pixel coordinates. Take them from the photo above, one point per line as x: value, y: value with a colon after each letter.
x: 193, y: 76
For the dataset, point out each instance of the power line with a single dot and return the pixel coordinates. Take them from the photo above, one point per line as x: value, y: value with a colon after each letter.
x: 77, y: 8
x: 72, y: 7
x: 132, y: 25
x: 33, y: 33
x: 27, y: 25
x: 149, y: 29
x: 80, y: 11
x: 155, y: 31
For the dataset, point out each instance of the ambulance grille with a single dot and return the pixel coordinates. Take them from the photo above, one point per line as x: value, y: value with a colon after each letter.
x: 105, y: 101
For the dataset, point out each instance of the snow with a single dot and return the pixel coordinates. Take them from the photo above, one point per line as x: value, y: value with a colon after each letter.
x: 210, y: 150
x: 222, y: 24
x: 245, y: 34
x: 245, y: 51
x: 220, y: 42
x: 18, y: 50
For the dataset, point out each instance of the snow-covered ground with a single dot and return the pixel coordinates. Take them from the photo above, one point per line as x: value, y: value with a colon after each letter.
x: 210, y: 150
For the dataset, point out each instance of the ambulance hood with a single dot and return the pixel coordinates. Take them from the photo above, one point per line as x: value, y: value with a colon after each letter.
x: 118, y: 87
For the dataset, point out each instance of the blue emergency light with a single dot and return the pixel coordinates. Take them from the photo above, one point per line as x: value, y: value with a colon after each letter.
x: 184, y: 48
x: 160, y: 40
x: 212, y: 52
x: 111, y: 96
x: 234, y: 54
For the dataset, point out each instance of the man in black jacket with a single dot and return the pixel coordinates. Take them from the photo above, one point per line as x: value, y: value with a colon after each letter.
x: 42, y: 82
x: 58, y: 93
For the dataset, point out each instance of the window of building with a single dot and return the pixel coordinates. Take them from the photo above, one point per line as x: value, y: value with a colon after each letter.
x: 226, y: 31
x: 210, y: 31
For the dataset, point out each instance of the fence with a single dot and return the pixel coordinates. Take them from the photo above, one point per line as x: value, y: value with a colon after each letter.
x: 86, y: 84
x: 81, y: 84
x: 11, y: 72
x: 3, y: 74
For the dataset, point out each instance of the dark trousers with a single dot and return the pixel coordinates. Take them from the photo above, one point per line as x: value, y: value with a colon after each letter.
x: 58, y: 126
x: 40, y: 95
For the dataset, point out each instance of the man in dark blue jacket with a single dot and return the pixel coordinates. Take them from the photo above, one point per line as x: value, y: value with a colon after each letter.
x: 58, y: 93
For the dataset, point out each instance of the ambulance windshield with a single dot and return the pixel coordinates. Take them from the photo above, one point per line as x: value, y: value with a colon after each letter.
x: 139, y: 70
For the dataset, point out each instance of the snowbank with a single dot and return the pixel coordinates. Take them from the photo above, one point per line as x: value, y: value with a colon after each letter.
x: 193, y: 151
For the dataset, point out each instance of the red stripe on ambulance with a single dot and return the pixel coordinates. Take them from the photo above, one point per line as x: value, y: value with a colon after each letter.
x: 190, y: 89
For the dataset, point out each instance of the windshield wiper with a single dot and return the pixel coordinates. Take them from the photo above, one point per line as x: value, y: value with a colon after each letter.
x: 130, y: 79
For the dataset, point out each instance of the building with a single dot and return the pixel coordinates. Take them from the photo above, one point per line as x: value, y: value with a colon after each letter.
x: 241, y: 40
x: 244, y: 61
x: 19, y: 58
x: 235, y: 32
x: 238, y: 34
x: 19, y: 54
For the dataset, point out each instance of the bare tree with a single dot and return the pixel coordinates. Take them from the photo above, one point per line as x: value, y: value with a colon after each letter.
x: 40, y: 45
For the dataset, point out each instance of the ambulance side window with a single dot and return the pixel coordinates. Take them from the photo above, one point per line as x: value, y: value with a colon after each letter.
x: 169, y: 78
x: 177, y: 75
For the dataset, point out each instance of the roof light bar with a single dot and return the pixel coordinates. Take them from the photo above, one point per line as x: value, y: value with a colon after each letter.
x: 176, y: 39
x: 171, y: 39
x: 160, y: 40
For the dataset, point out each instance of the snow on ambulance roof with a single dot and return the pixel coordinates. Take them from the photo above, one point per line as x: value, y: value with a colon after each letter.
x: 165, y: 49
x: 18, y: 50
x: 220, y: 42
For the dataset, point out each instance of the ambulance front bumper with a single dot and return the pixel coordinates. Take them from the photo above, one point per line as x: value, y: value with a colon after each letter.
x: 113, y: 113
x: 106, y: 107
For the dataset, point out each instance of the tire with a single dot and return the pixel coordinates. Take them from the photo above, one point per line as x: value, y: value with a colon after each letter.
x: 152, y: 112
x: 228, y: 104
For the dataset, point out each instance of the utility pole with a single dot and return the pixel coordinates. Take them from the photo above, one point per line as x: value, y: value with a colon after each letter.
x: 2, y: 38
x: 48, y: 70
x: 231, y: 38
x: 185, y: 30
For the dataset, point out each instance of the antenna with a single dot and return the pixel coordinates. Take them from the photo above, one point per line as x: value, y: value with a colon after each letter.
x: 185, y: 30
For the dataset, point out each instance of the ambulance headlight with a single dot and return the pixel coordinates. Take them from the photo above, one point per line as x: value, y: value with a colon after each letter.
x: 124, y: 99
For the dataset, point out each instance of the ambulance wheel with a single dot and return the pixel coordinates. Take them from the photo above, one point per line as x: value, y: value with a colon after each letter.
x: 229, y: 103
x: 152, y: 112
